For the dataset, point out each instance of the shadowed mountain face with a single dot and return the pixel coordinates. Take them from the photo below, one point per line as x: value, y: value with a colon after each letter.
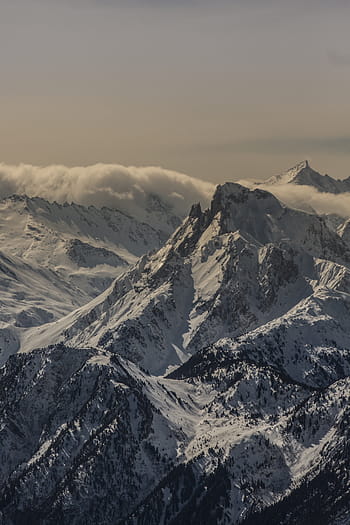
x: 209, y: 384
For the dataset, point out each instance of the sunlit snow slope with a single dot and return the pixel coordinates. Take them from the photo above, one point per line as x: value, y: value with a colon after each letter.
x: 55, y: 258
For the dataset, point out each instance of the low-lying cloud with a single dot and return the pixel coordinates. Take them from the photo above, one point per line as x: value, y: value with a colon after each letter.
x: 128, y: 188
x: 307, y: 198
x: 111, y: 185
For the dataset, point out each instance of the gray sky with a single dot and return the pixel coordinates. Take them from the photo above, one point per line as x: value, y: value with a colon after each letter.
x: 220, y: 90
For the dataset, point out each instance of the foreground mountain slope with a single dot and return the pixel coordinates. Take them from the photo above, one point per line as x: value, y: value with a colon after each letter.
x: 100, y: 425
x: 251, y: 460
x: 111, y: 444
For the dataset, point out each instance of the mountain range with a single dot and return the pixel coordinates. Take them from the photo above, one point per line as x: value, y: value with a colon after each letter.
x: 208, y: 383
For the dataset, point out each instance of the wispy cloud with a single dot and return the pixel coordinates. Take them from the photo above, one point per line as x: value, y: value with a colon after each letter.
x: 112, y: 185
x: 307, y: 198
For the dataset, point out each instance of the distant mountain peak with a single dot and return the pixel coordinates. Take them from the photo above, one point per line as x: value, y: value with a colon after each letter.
x: 295, y: 174
x: 227, y: 193
x: 304, y: 175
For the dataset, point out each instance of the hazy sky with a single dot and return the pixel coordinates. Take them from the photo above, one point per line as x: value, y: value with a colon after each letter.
x: 220, y: 90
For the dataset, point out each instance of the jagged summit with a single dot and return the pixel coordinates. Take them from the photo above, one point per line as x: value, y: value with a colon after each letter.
x: 258, y: 214
x: 303, y: 174
x: 232, y: 194
x: 196, y: 210
x: 230, y: 197
x: 236, y: 207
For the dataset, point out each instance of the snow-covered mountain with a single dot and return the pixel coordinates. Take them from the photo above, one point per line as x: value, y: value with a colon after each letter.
x: 228, y: 270
x: 303, y: 188
x: 55, y: 258
x: 224, y: 440
x: 30, y: 225
x: 303, y: 174
x: 158, y: 214
x: 209, y: 384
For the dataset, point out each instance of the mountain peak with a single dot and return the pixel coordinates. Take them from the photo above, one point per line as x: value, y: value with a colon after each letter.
x: 196, y: 210
x: 227, y: 193
x: 230, y: 195
x: 300, y: 166
x: 301, y: 172
x: 233, y: 208
x: 303, y: 175
x: 294, y: 174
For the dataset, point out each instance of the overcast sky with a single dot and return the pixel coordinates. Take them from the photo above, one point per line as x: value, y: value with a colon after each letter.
x: 221, y: 90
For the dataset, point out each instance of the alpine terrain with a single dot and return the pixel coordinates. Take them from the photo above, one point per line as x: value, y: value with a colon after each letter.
x: 55, y: 258
x: 209, y: 383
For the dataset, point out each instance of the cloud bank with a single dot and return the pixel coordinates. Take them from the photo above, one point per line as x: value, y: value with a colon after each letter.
x: 307, y: 198
x: 111, y: 185
x: 128, y: 188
